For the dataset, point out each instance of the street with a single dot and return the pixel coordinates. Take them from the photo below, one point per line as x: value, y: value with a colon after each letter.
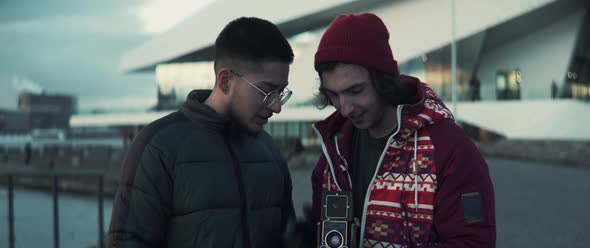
x: 537, y: 205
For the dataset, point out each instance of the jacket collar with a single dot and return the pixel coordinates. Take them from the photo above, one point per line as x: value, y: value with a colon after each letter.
x: 195, y: 109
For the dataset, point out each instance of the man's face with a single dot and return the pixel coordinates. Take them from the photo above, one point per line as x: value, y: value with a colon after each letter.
x: 350, y: 90
x: 248, y: 106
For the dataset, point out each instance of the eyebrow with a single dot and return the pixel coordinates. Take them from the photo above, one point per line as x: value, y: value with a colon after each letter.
x: 350, y: 88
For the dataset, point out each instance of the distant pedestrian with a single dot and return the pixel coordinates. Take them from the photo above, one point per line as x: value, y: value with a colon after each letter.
x: 5, y: 155
x: 297, y: 149
x: 474, y: 86
x: 553, y: 89
x: 125, y: 138
x: 28, y: 153
x: 130, y: 137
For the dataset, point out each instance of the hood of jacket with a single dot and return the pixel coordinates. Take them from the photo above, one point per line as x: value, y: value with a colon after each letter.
x: 194, y: 108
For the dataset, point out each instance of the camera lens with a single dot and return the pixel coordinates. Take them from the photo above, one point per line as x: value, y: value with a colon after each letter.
x: 334, y: 239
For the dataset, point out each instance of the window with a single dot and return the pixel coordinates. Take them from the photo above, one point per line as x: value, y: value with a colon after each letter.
x: 508, y: 84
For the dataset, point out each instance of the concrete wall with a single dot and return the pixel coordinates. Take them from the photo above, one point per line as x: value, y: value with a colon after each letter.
x: 541, y: 56
x: 569, y: 153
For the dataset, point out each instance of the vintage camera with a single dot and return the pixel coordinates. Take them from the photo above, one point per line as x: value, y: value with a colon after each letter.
x: 336, y: 226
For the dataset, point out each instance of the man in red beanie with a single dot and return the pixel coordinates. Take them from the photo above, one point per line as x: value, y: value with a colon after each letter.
x: 416, y: 179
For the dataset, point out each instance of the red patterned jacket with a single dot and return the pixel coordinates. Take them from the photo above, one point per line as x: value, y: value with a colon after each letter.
x: 431, y: 187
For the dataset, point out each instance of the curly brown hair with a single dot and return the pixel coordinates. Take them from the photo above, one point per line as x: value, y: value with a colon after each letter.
x: 390, y: 88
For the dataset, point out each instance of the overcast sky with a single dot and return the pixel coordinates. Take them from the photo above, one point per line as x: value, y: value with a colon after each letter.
x: 74, y: 47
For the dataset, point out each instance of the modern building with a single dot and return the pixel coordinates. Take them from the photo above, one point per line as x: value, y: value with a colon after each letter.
x: 523, y: 53
x: 40, y: 119
x: 12, y: 121
x: 47, y: 111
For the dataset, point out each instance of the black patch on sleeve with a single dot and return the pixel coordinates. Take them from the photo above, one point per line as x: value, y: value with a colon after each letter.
x: 472, y: 207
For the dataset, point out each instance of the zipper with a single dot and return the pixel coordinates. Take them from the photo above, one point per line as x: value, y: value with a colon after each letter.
x: 328, y: 158
x: 241, y: 190
x: 344, y: 167
x: 368, y: 194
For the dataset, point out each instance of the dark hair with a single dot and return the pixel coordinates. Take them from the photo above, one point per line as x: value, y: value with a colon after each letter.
x: 251, y: 39
x: 390, y: 88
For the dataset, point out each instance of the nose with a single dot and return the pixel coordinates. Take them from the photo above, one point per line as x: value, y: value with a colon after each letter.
x: 275, y: 107
x: 345, y: 107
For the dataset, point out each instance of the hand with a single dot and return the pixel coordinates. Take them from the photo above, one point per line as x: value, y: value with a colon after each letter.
x: 301, y: 233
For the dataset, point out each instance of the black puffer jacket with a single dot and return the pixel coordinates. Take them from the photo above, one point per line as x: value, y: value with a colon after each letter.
x: 193, y: 179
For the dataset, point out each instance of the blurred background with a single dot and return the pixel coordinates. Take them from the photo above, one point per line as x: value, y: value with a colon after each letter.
x: 79, y: 79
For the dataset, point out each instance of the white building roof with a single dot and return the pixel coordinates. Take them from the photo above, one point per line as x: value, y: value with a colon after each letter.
x: 307, y: 114
x: 287, y: 114
x: 200, y: 30
x: 118, y: 119
x: 416, y: 26
x: 547, y: 119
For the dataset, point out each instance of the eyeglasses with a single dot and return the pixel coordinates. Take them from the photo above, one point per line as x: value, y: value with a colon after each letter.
x: 269, y: 97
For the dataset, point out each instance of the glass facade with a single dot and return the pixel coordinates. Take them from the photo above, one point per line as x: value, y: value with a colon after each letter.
x: 434, y: 68
x: 293, y: 130
x: 508, y: 84
x: 578, y: 76
x: 175, y: 81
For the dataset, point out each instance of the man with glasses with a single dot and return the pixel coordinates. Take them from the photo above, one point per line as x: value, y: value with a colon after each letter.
x: 271, y: 97
x: 208, y: 175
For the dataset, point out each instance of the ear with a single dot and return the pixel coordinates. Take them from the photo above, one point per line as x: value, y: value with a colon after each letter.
x: 223, y: 80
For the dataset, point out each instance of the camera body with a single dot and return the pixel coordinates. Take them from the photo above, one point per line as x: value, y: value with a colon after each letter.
x: 336, y: 227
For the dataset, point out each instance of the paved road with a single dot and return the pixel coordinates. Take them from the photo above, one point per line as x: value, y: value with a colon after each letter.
x: 537, y: 205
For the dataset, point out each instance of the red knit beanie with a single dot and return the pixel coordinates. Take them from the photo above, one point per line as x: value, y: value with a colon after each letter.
x: 359, y: 39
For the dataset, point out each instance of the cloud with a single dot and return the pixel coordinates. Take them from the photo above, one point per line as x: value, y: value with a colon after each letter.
x: 23, y: 84
x: 100, y: 24
x: 23, y: 10
x: 73, y: 48
x: 8, y: 94
x: 159, y: 16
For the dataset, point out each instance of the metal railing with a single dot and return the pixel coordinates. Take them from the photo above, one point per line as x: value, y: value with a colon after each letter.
x: 55, y: 175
